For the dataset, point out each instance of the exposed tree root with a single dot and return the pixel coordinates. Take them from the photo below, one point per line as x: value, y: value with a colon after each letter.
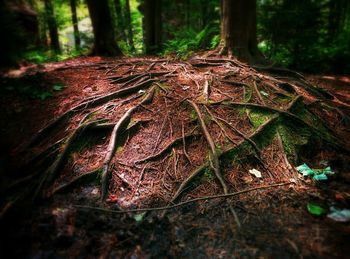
x: 180, y: 204
x: 118, y: 79
x: 280, y: 70
x: 206, y: 91
x: 89, y: 176
x: 216, y: 62
x: 214, y: 159
x: 167, y: 148
x: 333, y: 140
x: 54, y: 169
x: 113, y: 141
x: 233, y: 129
x: 89, y: 104
x: 201, y: 168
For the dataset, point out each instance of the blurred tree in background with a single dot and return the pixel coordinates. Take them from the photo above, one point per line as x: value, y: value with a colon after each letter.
x: 307, y: 35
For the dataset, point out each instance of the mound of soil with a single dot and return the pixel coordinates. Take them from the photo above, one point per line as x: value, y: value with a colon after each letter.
x: 141, y: 152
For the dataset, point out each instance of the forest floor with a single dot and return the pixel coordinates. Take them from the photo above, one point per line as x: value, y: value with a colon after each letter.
x: 164, y: 144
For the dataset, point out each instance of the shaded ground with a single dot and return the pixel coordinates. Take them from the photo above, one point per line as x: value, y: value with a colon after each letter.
x: 274, y: 221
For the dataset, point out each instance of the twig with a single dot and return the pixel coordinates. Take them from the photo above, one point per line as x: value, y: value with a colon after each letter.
x: 206, y: 91
x: 255, y: 87
x: 140, y: 179
x: 184, y: 143
x: 214, y: 118
x: 160, y: 133
x: 227, y: 195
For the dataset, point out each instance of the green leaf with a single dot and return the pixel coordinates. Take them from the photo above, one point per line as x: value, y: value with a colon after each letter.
x: 316, y: 174
x: 58, y: 87
x: 139, y: 217
x: 315, y: 209
x: 264, y: 93
x: 44, y: 95
x: 320, y: 177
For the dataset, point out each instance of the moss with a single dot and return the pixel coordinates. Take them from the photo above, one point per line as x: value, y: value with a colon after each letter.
x: 267, y: 135
x: 193, y: 115
x: 236, y: 154
x: 131, y: 123
x: 258, y: 117
x: 247, y: 94
x: 317, y: 123
x: 299, y: 109
x: 209, y: 175
x: 242, y: 112
x: 163, y: 86
x: 293, y: 137
x: 218, y: 148
x: 81, y: 143
x: 282, y: 99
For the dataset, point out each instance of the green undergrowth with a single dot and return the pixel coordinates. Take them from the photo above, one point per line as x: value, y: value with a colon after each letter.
x: 31, y: 88
x: 295, y: 135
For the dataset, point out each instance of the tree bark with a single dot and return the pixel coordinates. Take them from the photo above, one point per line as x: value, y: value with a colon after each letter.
x: 129, y: 25
x: 52, y: 26
x: 336, y: 17
x: 104, y: 36
x: 238, y: 30
x: 73, y: 6
x: 152, y: 24
x: 204, y: 14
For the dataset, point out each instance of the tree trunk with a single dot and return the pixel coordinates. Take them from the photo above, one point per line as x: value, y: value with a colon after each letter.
x: 129, y: 25
x: 52, y: 26
x: 337, y: 16
x: 120, y: 20
x: 238, y: 30
x: 73, y: 6
x: 104, y: 36
x: 204, y: 14
x: 152, y: 24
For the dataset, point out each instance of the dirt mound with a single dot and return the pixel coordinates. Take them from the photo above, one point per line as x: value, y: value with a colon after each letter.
x: 135, y: 133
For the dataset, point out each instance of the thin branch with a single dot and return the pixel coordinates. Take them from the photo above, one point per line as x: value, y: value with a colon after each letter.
x: 219, y: 196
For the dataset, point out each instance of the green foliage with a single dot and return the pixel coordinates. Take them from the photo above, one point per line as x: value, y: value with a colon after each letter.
x: 42, y: 56
x: 299, y: 34
x: 302, y: 34
x: 215, y: 41
x: 31, y: 88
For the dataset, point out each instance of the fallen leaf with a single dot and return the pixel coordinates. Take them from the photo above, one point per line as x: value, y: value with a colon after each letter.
x: 315, y: 209
x: 255, y: 172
